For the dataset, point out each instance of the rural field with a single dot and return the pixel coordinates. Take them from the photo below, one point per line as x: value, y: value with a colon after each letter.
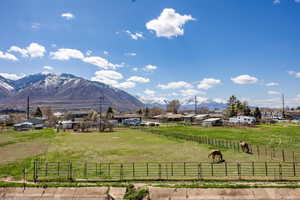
x: 19, y: 149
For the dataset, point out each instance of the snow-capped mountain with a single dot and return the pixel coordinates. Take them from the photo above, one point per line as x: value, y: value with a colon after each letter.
x: 5, y: 87
x: 64, y: 91
x: 186, y: 103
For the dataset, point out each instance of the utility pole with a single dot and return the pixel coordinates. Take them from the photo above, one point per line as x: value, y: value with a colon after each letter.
x: 283, y: 107
x: 196, y: 105
x: 27, y: 110
x: 101, y: 100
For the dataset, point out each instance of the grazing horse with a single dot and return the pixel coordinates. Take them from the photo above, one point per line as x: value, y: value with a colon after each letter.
x: 214, y: 153
x: 245, y: 147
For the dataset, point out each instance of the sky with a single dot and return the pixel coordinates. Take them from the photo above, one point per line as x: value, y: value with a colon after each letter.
x: 160, y: 49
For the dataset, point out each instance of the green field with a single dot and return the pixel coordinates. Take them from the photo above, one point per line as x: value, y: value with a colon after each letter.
x: 18, y: 149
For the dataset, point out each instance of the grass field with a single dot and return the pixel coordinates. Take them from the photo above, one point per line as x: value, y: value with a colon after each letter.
x: 285, y: 136
x: 18, y: 149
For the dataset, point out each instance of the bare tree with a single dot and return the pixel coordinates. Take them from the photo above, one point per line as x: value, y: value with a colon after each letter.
x: 173, y: 106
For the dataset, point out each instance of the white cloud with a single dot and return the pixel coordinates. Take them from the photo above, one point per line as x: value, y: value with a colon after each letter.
x: 207, y: 83
x: 134, y: 36
x: 276, y: 1
x: 272, y: 84
x: 130, y: 54
x: 191, y: 92
x: 169, y: 23
x: 35, y: 26
x: 135, y: 69
x: 48, y: 67
x: 149, y: 92
x: 126, y: 84
x: 297, y: 1
x: 7, y: 56
x: 12, y: 76
x: 68, y: 16
x: 108, y: 74
x: 99, y: 62
x: 88, y: 52
x: 150, y: 68
x: 33, y: 50
x: 220, y: 100
x: 139, y: 79
x: 105, y: 52
x: 244, y: 79
x: 175, y: 85
x: 295, y: 74
x: 271, y: 92
x: 66, y: 54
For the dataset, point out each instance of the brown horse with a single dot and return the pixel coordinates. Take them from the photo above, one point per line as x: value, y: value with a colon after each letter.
x: 214, y: 153
x: 245, y: 147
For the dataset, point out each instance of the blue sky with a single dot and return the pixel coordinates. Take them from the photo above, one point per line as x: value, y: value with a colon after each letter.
x: 160, y: 48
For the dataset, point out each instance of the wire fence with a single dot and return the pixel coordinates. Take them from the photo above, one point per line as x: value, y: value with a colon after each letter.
x: 153, y: 171
x: 262, y: 152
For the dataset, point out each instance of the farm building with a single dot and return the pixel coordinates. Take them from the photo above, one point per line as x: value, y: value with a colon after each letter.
x: 212, y: 122
x: 189, y: 118
x: 23, y: 126
x: 242, y: 120
x: 169, y: 117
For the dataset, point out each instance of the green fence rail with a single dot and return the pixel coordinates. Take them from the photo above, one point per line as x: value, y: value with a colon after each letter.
x: 264, y: 152
x: 74, y: 170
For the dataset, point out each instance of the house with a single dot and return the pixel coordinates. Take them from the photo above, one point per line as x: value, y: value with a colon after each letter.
x: 212, y: 122
x: 23, y: 126
x: 122, y: 117
x: 271, y: 115
x: 37, y: 122
x: 189, y: 118
x: 242, y: 120
x: 4, y: 118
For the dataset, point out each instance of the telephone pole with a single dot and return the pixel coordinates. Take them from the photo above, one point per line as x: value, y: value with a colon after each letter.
x: 196, y: 102
x: 101, y: 100
x: 283, y: 107
x: 27, y: 110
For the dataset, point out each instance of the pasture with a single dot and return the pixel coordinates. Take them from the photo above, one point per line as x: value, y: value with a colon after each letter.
x: 19, y: 149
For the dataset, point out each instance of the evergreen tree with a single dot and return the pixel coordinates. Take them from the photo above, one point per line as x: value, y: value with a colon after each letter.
x: 38, y: 112
x: 257, y: 113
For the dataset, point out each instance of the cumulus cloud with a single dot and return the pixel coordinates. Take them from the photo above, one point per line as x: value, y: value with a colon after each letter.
x: 130, y: 54
x: 134, y: 36
x: 175, y: 85
x: 244, y: 79
x: 149, y: 92
x: 150, y: 68
x: 68, y: 16
x: 139, y: 79
x: 66, y: 54
x: 33, y: 50
x: 100, y: 62
x: 271, y: 92
x: 169, y: 23
x: 220, y: 100
x: 295, y: 74
x: 207, y: 83
x: 12, y: 76
x: 7, y: 56
x: 35, y: 25
x: 48, y: 67
x: 88, y: 52
x: 276, y: 1
x: 135, y: 69
x: 108, y: 74
x: 191, y: 92
x: 272, y: 84
x: 126, y: 85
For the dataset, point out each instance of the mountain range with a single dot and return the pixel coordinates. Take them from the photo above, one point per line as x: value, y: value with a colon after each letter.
x: 63, y: 92
x: 69, y: 92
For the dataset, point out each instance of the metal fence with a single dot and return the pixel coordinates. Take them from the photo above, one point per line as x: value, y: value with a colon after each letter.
x: 152, y: 171
x: 262, y: 152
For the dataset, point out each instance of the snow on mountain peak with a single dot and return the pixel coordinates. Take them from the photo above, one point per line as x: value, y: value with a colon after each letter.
x: 6, y: 86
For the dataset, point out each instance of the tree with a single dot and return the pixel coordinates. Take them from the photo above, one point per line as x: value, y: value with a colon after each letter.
x: 203, y: 110
x: 48, y: 114
x: 257, y: 113
x: 173, y: 106
x: 38, y: 112
x: 109, y: 113
x: 246, y: 109
x: 140, y: 112
x: 156, y: 111
x: 147, y: 112
x: 231, y: 110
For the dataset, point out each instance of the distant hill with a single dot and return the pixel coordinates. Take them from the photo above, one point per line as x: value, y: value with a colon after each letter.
x: 64, y: 91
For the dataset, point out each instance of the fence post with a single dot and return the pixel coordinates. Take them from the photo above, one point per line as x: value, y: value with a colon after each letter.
x: 283, y: 156
x: 147, y: 166
x: 266, y: 168
x: 121, y: 172
x: 172, y: 170
x: 85, y: 169
x: 184, y: 169
x: 226, y: 172
x: 212, y: 169
x: 34, y: 171
x: 294, y: 168
x: 239, y: 170
x: 294, y: 156
x: 133, y: 170
x: 253, y: 170
x: 58, y: 169
x: 46, y: 169
x: 258, y: 152
x: 159, y: 171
